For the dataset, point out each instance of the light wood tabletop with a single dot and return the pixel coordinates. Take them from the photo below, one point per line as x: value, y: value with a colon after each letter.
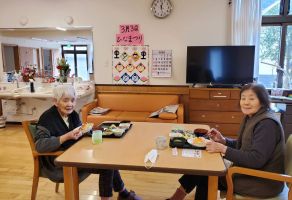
x: 129, y: 151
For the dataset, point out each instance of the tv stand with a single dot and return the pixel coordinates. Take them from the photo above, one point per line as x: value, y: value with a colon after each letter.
x: 224, y: 86
x: 216, y: 107
x: 200, y: 85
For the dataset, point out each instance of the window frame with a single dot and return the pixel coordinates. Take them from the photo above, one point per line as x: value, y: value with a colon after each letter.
x: 75, y: 52
x: 283, y: 20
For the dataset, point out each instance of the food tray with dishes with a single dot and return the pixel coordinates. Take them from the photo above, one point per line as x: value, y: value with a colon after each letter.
x: 114, y: 129
x: 188, y: 139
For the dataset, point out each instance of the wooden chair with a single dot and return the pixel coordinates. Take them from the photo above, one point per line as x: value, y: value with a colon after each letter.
x: 287, y: 177
x: 29, y: 129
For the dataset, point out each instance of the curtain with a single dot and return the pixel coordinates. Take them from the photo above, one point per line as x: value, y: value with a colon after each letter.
x: 246, y: 24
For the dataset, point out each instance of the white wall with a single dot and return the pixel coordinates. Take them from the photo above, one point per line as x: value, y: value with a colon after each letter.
x: 192, y: 22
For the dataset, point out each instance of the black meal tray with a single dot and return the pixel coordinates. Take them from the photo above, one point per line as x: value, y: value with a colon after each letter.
x: 183, y: 145
x: 106, y: 125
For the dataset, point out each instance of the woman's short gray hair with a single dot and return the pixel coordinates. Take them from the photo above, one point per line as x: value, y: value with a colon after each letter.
x: 64, y: 90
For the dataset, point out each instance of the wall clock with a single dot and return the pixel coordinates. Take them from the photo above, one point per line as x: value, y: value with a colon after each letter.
x: 161, y: 8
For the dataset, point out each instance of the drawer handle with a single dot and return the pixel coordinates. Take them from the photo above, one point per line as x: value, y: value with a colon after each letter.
x: 217, y: 126
x: 232, y: 117
x: 203, y: 116
x: 219, y: 93
x: 216, y: 96
x: 218, y: 105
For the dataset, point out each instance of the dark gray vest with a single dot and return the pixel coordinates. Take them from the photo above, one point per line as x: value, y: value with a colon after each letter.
x: 258, y: 187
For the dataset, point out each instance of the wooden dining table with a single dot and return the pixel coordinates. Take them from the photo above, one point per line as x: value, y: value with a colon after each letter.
x: 128, y: 152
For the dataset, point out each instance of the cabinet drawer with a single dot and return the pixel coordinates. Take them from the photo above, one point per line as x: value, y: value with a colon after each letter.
x: 235, y: 94
x: 287, y: 119
x: 216, y: 117
x: 219, y: 105
x: 199, y: 94
x: 287, y: 130
x: 288, y: 109
x: 219, y: 94
x: 226, y: 129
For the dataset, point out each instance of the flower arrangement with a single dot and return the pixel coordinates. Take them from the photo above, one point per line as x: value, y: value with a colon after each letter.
x: 64, y: 69
x: 28, y: 72
x: 63, y: 65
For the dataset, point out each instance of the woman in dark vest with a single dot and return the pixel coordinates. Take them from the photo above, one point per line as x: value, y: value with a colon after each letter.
x: 260, y: 145
x: 59, y: 128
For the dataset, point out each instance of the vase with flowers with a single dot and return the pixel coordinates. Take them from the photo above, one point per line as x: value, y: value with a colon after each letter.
x: 64, y: 69
x: 28, y: 72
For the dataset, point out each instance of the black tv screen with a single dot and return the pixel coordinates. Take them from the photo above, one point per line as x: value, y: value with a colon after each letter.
x: 220, y: 64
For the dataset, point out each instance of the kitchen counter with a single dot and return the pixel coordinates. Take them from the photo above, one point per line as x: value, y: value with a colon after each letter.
x: 43, y: 90
x: 19, y: 104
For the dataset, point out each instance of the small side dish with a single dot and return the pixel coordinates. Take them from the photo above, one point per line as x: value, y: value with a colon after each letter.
x: 199, y: 132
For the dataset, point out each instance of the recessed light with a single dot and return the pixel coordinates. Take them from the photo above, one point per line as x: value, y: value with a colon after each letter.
x: 61, y: 29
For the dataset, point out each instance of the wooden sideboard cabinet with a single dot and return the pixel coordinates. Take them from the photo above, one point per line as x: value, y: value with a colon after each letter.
x: 219, y: 108
x: 286, y: 118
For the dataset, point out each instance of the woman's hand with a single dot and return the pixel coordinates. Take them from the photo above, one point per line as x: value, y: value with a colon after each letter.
x: 215, y: 135
x: 75, y: 134
x: 215, y: 147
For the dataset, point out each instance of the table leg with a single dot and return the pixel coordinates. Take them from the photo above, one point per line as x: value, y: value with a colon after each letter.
x: 212, y: 187
x: 71, y: 183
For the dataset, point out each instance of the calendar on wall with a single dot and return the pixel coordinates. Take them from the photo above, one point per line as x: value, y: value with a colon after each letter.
x: 130, y: 64
x: 161, y: 63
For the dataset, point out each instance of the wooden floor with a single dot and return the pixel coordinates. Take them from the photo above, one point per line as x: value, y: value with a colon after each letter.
x: 16, y: 168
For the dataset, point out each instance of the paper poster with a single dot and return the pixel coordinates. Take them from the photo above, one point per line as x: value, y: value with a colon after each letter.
x: 130, y: 39
x: 129, y: 28
x: 161, y: 63
x: 129, y: 35
x: 130, y: 64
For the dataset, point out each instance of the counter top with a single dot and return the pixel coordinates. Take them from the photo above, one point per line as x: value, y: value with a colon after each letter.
x: 42, y: 90
x: 281, y: 99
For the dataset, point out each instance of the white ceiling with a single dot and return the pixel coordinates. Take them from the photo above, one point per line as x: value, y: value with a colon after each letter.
x: 70, y: 36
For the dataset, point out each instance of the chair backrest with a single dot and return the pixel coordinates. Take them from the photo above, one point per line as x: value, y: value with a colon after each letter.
x: 133, y: 102
x: 288, y: 160
x: 262, y: 174
x: 30, y: 129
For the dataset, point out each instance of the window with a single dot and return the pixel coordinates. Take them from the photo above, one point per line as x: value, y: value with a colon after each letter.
x: 270, y: 7
x: 288, y: 54
x: 275, y: 68
x: 76, y: 56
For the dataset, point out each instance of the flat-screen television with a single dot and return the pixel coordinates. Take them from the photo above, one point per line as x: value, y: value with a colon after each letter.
x: 230, y: 65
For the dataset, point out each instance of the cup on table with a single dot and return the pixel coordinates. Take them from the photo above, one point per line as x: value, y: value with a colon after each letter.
x: 161, y: 142
x: 96, y: 137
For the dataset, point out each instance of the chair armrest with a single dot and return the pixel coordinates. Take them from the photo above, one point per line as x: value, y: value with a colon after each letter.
x: 180, y: 114
x: 86, y: 108
x: 253, y: 172
x: 55, y: 153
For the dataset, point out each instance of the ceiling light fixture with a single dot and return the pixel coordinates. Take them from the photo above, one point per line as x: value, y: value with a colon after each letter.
x: 69, y: 20
x: 61, y: 29
x: 23, y: 20
x: 81, y: 38
x: 39, y: 39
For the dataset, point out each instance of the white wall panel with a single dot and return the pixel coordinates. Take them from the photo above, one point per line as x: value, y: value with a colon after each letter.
x: 192, y: 22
